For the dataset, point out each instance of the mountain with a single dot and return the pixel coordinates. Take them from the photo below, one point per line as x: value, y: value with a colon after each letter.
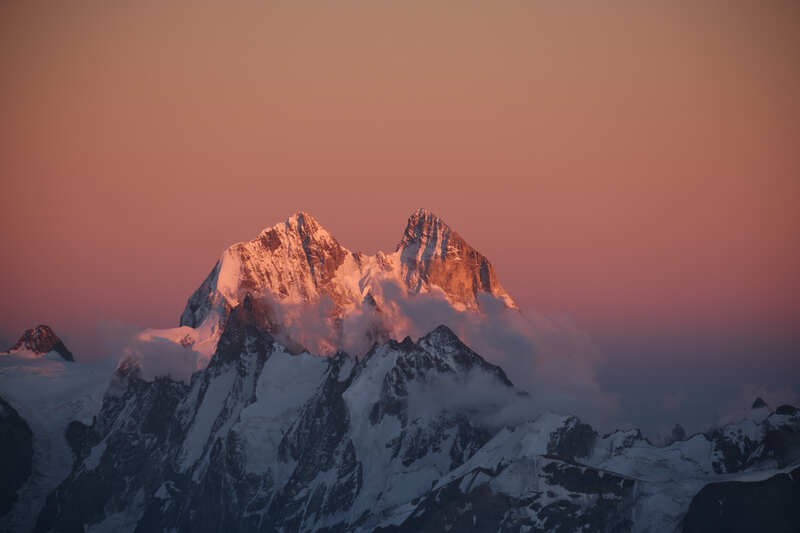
x: 260, y: 431
x: 300, y: 261
x: 285, y: 401
x: 40, y: 341
x: 410, y: 437
x: 305, y: 274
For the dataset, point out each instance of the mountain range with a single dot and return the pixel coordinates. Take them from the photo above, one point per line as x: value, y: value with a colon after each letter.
x: 324, y: 297
x: 312, y: 402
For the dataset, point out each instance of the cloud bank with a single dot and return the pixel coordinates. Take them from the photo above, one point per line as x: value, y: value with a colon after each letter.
x: 551, y: 359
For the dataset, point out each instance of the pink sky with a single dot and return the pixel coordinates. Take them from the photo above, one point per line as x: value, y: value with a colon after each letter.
x: 637, y: 169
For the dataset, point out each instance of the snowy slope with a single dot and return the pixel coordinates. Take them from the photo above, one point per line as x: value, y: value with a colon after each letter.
x: 548, y: 471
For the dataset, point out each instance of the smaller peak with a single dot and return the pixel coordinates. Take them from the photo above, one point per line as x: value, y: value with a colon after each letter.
x: 442, y: 341
x: 441, y: 335
x: 41, y: 340
x: 759, y: 404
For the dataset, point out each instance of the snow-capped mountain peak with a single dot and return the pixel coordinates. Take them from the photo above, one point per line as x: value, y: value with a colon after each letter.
x: 299, y: 268
x: 300, y: 228
x: 293, y: 261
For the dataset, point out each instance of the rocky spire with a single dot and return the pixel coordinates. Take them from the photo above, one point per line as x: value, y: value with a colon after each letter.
x: 432, y: 253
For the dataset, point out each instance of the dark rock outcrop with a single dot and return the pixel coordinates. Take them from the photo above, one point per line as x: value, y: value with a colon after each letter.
x: 771, y: 505
x: 16, y: 454
x: 678, y: 433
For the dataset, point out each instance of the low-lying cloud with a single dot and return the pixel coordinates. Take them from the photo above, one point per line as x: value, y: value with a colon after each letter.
x: 158, y: 357
x: 646, y: 382
x: 551, y: 359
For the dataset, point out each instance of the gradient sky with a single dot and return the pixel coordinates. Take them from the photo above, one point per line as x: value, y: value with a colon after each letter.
x: 633, y: 167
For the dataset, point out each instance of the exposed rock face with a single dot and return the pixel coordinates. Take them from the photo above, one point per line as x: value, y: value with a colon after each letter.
x: 16, y: 455
x: 433, y: 254
x: 41, y: 340
x: 736, y: 506
x: 555, y: 495
x: 572, y: 440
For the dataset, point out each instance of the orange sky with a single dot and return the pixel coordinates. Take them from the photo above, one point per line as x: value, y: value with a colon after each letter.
x: 634, y: 167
